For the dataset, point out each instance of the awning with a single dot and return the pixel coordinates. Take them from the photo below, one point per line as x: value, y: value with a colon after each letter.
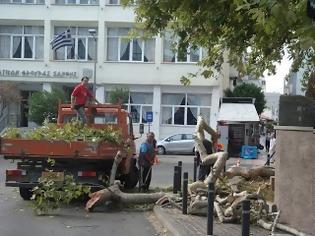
x: 238, y: 112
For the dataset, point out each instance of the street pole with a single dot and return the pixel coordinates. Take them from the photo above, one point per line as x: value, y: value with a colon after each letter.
x: 93, y: 33
x: 95, y: 58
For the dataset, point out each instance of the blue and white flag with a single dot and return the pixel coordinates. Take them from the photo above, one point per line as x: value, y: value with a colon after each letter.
x: 62, y: 40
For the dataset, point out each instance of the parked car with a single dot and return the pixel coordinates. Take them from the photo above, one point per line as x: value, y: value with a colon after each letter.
x: 178, y: 143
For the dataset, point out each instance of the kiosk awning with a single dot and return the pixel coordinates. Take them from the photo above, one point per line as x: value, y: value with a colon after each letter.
x: 238, y: 112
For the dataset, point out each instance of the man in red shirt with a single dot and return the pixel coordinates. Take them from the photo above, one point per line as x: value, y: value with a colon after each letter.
x: 79, y: 98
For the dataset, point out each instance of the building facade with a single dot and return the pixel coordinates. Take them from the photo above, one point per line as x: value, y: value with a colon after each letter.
x: 148, y: 68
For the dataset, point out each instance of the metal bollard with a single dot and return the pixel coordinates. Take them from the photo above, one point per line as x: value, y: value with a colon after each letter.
x: 175, y: 180
x: 210, y: 209
x: 245, y: 217
x: 195, y: 168
x: 180, y: 168
x: 185, y: 192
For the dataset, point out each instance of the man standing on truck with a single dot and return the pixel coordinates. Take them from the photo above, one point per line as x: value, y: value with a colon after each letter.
x: 146, y: 161
x: 79, y: 98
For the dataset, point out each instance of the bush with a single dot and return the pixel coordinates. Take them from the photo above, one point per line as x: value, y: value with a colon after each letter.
x: 44, y: 105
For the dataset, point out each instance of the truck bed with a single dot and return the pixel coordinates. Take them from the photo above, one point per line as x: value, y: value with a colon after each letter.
x: 23, y: 148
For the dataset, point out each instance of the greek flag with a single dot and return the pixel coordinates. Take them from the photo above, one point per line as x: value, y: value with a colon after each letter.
x: 62, y: 40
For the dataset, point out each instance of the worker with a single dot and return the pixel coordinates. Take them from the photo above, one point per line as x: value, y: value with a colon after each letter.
x: 79, y: 97
x: 146, y: 161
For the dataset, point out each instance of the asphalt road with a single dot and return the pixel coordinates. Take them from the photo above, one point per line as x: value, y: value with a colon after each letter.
x: 18, y: 218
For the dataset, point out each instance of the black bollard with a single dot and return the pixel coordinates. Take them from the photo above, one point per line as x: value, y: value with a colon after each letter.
x: 175, y: 180
x: 195, y: 168
x: 210, y: 209
x: 185, y: 194
x: 245, y: 217
x: 180, y: 167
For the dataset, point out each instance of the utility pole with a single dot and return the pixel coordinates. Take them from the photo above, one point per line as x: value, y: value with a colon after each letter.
x: 93, y: 33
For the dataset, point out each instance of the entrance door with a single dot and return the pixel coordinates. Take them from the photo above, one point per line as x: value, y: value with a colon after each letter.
x: 236, y: 139
x: 24, y: 108
x: 224, y: 136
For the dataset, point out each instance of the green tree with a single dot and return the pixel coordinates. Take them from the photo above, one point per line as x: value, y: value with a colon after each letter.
x: 249, y: 90
x: 44, y: 105
x: 119, y: 95
x: 253, y: 34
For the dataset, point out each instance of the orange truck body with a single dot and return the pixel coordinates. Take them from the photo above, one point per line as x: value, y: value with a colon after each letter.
x: 79, y: 156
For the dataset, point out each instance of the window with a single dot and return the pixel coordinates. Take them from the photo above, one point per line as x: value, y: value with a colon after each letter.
x: 193, y: 54
x: 84, y: 45
x: 121, y: 48
x: 176, y: 137
x: 23, y: 1
x: 138, y: 104
x: 183, y: 109
x: 106, y: 118
x: 77, y: 2
x: 116, y: 2
x: 22, y: 42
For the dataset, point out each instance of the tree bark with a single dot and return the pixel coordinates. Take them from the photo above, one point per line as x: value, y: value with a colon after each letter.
x: 283, y: 227
x: 116, y: 162
x: 217, y: 168
x: 261, y: 171
x: 113, y: 193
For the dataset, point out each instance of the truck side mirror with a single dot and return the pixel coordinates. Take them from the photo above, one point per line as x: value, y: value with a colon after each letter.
x: 141, y: 128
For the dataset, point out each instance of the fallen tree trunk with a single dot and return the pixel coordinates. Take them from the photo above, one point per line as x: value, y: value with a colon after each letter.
x: 117, y: 160
x: 283, y: 227
x: 217, y: 168
x: 113, y: 193
x: 260, y: 171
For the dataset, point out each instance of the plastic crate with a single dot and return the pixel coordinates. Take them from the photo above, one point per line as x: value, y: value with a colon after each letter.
x: 249, y: 152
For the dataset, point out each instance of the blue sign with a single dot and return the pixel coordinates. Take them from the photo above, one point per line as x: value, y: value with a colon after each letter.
x: 149, y: 116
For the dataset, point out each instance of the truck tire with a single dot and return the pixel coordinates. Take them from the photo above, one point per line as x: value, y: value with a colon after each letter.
x: 26, y: 193
x: 130, y: 180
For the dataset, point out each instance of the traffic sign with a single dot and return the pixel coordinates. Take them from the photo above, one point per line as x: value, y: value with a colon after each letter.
x: 149, y: 116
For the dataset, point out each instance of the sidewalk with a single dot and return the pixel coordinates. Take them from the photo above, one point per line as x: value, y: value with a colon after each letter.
x: 191, y: 225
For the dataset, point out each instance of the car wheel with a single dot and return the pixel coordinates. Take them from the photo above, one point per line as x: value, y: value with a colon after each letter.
x: 26, y: 193
x: 161, y: 150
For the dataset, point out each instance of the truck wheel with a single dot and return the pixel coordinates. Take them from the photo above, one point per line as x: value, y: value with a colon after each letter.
x: 132, y: 178
x: 26, y: 193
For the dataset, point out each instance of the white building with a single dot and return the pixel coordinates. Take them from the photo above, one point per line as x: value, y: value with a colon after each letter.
x: 148, y: 68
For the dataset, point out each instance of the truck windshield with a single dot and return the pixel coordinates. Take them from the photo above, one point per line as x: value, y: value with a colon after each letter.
x: 106, y: 118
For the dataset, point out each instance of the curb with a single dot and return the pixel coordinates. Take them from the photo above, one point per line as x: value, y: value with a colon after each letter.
x: 164, y: 219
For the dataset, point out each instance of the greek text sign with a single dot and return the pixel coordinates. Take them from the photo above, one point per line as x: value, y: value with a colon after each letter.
x: 38, y: 74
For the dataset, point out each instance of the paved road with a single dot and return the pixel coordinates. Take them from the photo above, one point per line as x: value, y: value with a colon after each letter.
x: 17, y: 218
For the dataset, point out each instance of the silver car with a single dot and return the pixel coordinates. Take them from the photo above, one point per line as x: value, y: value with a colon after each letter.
x: 178, y: 143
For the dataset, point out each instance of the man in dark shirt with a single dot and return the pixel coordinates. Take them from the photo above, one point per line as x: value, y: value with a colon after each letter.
x: 79, y: 97
x: 146, y: 160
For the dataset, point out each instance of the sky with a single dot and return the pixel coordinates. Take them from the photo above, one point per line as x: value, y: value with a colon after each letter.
x: 274, y: 83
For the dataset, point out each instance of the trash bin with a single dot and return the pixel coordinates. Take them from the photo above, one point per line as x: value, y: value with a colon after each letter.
x: 249, y: 152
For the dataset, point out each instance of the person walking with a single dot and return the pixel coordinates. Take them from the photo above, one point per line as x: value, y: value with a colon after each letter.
x: 146, y: 161
x: 79, y: 97
x: 267, y: 142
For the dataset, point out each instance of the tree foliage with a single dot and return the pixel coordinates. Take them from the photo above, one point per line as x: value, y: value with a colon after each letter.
x: 255, y: 33
x: 249, y: 90
x: 119, y: 95
x: 44, y: 105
